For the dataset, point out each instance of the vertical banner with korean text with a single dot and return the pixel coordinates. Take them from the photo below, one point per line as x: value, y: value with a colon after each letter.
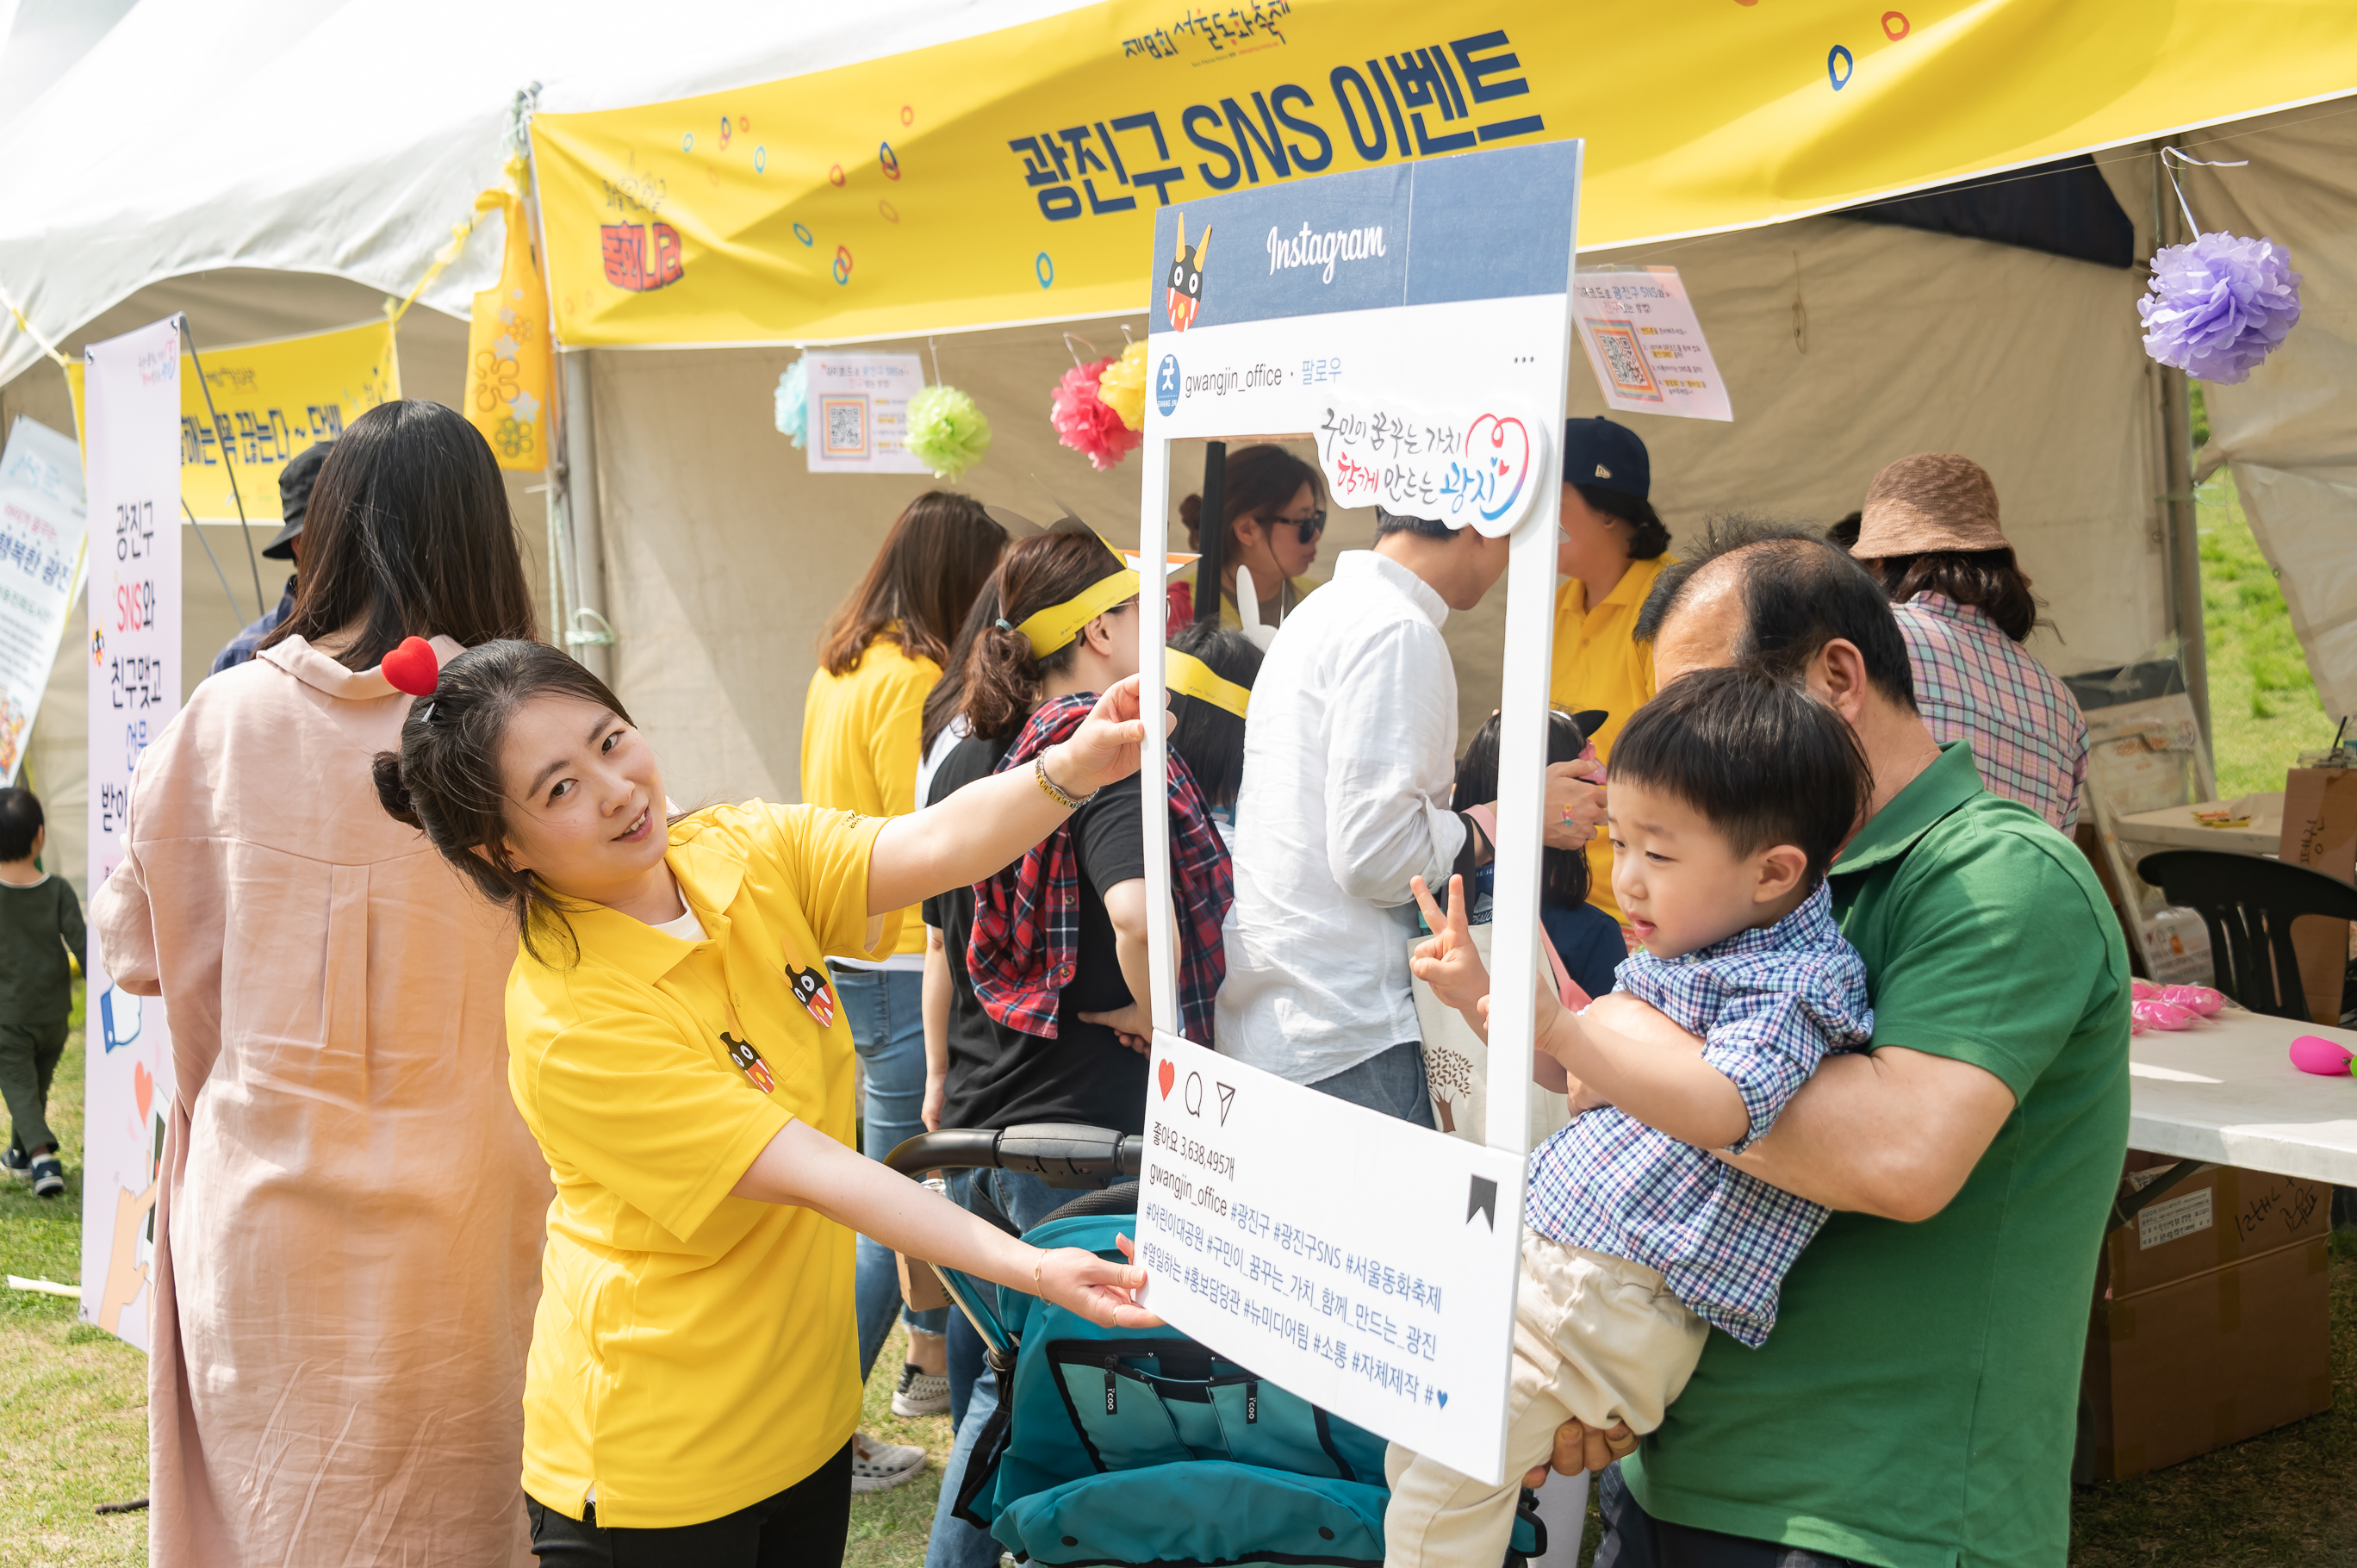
x: 132, y: 429
x: 40, y: 541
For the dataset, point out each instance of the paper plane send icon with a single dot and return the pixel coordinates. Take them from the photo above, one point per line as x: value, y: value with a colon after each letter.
x: 1227, y: 1098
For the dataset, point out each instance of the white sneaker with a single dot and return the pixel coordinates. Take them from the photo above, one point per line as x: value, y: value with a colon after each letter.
x: 878, y: 1467
x: 920, y: 1393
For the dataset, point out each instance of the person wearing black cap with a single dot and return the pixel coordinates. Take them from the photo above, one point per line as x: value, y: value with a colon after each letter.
x: 1610, y: 547
x: 294, y: 482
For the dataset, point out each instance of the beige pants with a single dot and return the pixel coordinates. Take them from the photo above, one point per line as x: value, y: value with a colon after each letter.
x: 1595, y: 1336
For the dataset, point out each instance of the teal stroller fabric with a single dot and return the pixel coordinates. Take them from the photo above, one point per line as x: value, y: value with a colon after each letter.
x: 1127, y: 1448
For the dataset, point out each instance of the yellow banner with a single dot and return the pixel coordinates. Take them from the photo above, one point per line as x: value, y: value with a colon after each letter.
x: 1015, y: 175
x: 270, y: 401
x: 509, y: 365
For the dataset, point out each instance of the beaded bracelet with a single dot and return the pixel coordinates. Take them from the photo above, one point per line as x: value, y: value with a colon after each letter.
x: 1056, y: 791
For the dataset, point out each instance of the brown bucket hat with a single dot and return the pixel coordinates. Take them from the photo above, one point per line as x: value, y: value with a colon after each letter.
x: 1931, y: 501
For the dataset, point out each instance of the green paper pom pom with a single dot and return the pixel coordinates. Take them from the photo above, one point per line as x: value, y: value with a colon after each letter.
x: 946, y: 432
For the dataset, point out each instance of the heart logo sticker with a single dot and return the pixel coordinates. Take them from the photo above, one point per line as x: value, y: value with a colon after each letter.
x: 1501, y: 445
x: 142, y: 1086
x: 1167, y: 1075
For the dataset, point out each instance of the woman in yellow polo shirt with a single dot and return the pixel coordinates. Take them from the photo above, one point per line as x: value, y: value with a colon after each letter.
x: 1612, y: 548
x: 675, y: 1047
x: 863, y: 718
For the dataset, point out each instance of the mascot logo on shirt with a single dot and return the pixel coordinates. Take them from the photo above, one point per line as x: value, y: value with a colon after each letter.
x: 811, y: 991
x: 750, y: 1061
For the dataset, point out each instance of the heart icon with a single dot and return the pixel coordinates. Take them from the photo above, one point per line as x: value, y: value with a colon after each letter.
x: 413, y: 668
x: 1441, y: 1397
x: 1168, y: 1075
x: 1503, y: 444
x: 143, y: 1085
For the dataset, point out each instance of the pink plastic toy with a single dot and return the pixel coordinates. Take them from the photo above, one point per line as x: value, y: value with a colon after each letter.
x: 2142, y: 990
x: 2155, y: 1013
x: 2313, y: 1053
x: 2199, y: 999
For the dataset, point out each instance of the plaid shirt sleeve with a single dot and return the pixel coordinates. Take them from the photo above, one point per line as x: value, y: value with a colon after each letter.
x: 1767, y: 1044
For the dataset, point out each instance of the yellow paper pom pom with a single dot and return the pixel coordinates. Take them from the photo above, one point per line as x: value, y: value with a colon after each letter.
x: 1122, y: 386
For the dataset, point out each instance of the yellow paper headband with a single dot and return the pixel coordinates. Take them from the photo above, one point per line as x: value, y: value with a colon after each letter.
x: 1057, y: 625
x: 1189, y: 676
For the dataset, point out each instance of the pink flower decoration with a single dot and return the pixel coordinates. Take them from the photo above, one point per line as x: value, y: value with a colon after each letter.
x: 1085, y: 423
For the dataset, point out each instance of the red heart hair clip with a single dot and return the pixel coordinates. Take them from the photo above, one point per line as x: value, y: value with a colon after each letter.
x: 413, y: 668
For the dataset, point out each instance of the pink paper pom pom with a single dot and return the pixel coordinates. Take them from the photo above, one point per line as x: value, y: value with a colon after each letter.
x: 1083, y: 420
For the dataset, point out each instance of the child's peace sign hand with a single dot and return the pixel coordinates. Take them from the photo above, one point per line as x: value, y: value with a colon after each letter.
x: 1447, y: 961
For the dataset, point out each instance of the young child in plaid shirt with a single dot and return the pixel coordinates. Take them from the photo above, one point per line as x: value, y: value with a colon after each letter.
x: 1731, y: 793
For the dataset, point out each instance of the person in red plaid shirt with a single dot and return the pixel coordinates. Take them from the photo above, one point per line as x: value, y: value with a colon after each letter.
x: 1929, y: 535
x: 1036, y: 989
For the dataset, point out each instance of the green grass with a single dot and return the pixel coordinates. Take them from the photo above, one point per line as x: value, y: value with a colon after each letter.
x: 2264, y: 710
x: 73, y: 1401
x: 890, y: 1529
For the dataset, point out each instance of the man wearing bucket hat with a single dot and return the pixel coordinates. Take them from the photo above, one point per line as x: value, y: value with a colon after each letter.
x: 1930, y: 535
x: 1609, y: 548
x: 294, y: 482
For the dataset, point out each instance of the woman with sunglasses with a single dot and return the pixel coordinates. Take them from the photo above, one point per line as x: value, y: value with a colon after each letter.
x: 1276, y: 507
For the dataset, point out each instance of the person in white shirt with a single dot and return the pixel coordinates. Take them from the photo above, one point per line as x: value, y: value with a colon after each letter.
x: 1350, y: 761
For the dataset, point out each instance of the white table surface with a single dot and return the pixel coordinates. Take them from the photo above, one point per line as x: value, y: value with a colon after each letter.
x: 2225, y: 1091
x: 2173, y: 827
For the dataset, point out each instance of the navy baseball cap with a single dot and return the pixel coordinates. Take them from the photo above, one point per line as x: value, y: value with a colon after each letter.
x: 294, y: 482
x: 1607, y: 455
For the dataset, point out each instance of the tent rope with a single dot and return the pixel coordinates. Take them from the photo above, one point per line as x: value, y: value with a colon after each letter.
x: 34, y: 333
x: 244, y: 529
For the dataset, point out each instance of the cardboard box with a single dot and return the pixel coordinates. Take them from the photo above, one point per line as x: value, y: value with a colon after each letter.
x: 920, y: 1288
x: 2319, y: 831
x: 2172, y: 1220
x: 2199, y: 1363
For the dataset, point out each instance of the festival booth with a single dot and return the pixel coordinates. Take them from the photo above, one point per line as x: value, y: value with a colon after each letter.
x: 1899, y: 229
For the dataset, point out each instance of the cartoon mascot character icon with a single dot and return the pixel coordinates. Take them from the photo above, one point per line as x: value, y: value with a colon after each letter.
x: 1187, y: 277
x: 749, y: 1061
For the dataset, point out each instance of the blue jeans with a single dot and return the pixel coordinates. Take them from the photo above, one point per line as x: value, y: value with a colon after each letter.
x: 886, y: 1008
x: 973, y: 1393
x: 1392, y: 1082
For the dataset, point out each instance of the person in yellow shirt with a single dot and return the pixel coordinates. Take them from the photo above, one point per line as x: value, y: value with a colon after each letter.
x: 879, y: 656
x: 1274, y: 509
x: 1612, y: 546
x: 675, y: 1045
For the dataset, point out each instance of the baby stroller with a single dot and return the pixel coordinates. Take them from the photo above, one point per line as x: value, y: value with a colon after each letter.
x: 1119, y: 1446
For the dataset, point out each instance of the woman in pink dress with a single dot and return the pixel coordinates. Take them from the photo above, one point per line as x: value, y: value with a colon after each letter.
x: 348, y: 1235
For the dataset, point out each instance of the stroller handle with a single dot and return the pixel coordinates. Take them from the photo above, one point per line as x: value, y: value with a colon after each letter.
x: 1059, y: 1153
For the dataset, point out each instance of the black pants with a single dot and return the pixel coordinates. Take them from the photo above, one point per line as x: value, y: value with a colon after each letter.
x: 801, y: 1526
x: 28, y: 1061
x: 1635, y: 1539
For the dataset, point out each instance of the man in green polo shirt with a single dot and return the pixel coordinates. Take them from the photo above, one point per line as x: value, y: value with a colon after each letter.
x: 1915, y: 1407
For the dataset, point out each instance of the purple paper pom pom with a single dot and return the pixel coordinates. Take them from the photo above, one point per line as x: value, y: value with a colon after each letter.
x: 2219, y: 306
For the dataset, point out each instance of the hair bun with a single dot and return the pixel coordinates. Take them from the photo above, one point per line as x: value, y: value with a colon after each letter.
x: 391, y: 792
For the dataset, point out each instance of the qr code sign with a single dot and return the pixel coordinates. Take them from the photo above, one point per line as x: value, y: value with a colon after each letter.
x: 1624, y: 360
x: 844, y: 432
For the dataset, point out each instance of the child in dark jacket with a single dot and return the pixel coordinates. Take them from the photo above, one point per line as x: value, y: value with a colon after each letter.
x: 40, y: 923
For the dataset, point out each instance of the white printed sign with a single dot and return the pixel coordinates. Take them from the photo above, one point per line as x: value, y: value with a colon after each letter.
x: 1647, y: 348
x: 1476, y: 467
x: 40, y: 541
x: 1381, y: 1298
x: 859, y: 412
x: 132, y: 416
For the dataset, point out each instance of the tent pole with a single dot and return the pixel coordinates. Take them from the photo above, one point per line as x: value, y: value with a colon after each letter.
x: 589, y: 635
x: 1210, y: 566
x: 2180, y: 526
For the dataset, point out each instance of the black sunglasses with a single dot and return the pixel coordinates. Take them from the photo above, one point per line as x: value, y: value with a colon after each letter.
x: 1311, y: 526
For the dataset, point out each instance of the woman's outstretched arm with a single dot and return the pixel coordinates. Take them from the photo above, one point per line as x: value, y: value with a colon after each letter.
x: 980, y: 829
x: 805, y: 1167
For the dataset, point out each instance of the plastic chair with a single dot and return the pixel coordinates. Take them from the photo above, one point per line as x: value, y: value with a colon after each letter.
x: 2249, y: 904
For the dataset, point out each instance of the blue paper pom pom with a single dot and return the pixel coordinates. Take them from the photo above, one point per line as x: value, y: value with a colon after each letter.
x: 2217, y: 306
x: 793, y: 401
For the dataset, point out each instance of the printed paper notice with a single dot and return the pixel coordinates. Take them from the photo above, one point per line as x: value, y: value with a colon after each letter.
x: 40, y: 540
x: 1377, y: 1285
x: 1644, y: 344
x: 859, y: 412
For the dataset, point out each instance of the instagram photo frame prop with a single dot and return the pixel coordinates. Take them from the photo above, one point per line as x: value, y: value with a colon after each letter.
x: 1364, y: 1263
